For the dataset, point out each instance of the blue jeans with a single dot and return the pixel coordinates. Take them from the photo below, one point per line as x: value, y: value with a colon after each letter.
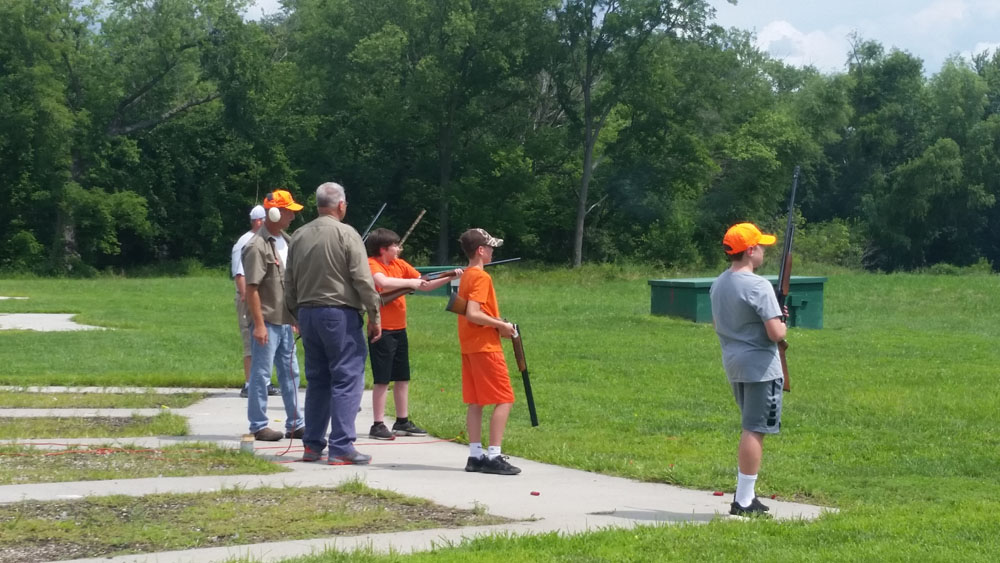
x: 279, y: 352
x: 334, y: 341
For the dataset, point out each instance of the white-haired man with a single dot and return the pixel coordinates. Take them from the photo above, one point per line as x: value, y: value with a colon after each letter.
x: 328, y: 285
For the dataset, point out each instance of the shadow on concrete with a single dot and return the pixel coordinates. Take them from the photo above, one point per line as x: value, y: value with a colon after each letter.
x: 652, y: 515
x: 417, y: 467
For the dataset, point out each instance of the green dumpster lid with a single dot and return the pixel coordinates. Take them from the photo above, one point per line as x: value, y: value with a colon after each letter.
x: 707, y: 282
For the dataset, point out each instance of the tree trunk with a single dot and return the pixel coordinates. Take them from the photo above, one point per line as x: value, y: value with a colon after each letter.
x: 445, y: 158
x: 581, y: 204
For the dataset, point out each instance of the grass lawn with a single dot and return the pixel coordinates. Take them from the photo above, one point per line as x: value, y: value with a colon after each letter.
x: 29, y: 428
x: 20, y: 465
x: 17, y: 399
x: 892, y: 418
x: 106, y: 526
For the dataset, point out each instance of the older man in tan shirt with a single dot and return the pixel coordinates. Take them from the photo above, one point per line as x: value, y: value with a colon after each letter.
x: 328, y: 286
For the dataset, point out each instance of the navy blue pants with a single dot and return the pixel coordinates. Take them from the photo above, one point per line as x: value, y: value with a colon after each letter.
x: 334, y: 342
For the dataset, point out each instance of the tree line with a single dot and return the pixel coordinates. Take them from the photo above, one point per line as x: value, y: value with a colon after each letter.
x: 139, y: 132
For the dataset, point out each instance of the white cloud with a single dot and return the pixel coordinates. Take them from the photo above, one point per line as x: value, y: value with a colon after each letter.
x: 824, y: 49
x: 987, y: 8
x: 980, y: 47
x: 939, y: 14
x: 260, y: 8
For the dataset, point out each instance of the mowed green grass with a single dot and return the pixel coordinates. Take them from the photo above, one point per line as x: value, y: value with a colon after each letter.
x: 893, y: 417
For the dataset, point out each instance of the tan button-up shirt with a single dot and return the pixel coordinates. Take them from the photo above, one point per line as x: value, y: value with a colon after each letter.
x: 328, y: 266
x: 263, y: 268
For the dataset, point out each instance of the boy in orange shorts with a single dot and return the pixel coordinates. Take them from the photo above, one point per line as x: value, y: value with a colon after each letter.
x: 484, y: 371
x: 390, y: 356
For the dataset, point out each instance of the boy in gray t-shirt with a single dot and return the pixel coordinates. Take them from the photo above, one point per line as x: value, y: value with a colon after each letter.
x: 749, y: 322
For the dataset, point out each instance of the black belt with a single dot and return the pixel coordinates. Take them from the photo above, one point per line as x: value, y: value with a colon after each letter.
x: 322, y: 306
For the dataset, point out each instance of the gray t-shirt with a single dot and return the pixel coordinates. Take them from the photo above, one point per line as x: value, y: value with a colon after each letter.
x: 741, y: 302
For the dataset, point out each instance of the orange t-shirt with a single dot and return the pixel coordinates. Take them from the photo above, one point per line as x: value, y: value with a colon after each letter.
x: 393, y: 314
x: 477, y: 285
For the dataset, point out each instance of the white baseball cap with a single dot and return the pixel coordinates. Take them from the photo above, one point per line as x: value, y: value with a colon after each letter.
x: 257, y: 212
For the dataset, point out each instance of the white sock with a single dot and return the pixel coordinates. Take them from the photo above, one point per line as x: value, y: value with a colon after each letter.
x: 493, y: 451
x: 475, y: 449
x: 745, y: 489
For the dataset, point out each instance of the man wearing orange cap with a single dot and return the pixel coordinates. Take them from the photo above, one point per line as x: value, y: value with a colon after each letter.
x: 273, y: 343
x: 748, y: 320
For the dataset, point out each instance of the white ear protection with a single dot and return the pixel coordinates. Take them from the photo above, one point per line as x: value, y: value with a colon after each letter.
x: 274, y: 214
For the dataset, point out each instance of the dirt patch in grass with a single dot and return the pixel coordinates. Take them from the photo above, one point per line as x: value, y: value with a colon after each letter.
x: 30, y: 428
x: 107, y: 526
x: 21, y: 465
x: 97, y: 400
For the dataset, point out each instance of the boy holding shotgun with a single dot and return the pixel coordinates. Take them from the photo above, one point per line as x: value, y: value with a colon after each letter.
x: 748, y: 321
x: 484, y: 370
x: 390, y: 357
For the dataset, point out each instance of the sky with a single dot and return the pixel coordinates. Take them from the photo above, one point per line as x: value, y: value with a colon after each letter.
x: 816, y: 32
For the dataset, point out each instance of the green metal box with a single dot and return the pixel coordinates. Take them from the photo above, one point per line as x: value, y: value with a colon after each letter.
x: 443, y: 291
x: 688, y: 298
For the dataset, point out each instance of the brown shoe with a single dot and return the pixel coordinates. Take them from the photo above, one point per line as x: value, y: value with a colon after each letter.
x: 298, y: 433
x: 268, y: 435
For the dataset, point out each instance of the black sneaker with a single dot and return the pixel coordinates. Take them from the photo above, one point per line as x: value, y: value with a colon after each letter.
x: 756, y: 508
x: 272, y: 390
x: 245, y: 392
x: 408, y: 429
x: 499, y: 466
x: 475, y: 464
x: 379, y: 431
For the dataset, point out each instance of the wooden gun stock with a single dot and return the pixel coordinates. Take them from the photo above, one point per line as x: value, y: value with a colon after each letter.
x: 782, y: 346
x: 456, y: 304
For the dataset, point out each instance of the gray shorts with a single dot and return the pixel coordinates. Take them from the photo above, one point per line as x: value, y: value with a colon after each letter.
x: 760, y: 405
x: 243, y: 317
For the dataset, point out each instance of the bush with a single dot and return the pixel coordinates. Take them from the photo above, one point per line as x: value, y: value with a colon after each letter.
x: 833, y: 242
x: 980, y: 268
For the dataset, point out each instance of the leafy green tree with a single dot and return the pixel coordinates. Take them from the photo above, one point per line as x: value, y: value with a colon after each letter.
x: 926, y: 212
x: 416, y: 88
x: 602, y: 47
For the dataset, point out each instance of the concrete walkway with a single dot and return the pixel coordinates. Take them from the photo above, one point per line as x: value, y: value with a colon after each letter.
x: 545, y: 497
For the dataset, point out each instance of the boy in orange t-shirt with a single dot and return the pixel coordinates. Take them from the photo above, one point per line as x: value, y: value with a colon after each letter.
x: 485, y: 380
x: 389, y: 355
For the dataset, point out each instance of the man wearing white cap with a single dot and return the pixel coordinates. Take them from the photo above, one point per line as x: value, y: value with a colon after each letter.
x: 243, y: 316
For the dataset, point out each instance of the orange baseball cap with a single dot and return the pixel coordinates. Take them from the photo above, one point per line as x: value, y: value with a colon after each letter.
x: 742, y: 236
x: 283, y: 199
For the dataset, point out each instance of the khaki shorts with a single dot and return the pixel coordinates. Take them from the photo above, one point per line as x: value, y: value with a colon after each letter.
x: 243, y: 317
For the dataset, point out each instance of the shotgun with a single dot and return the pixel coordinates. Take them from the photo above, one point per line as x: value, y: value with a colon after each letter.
x: 390, y: 296
x: 457, y: 304
x: 413, y: 226
x: 785, y: 276
x: 364, y: 235
x: 522, y: 365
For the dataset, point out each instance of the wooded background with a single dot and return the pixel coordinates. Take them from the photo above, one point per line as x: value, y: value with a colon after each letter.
x: 140, y: 132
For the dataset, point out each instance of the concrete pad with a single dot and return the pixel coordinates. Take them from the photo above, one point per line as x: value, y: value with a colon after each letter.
x: 42, y: 322
x: 568, y: 500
